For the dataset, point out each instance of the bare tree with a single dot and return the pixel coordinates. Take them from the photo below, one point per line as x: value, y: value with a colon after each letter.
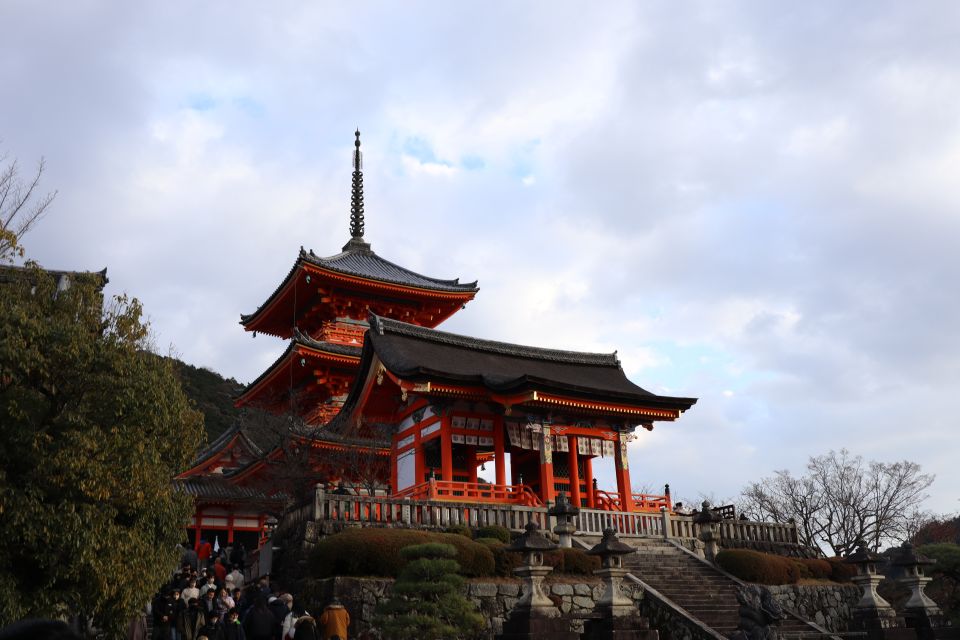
x: 20, y: 207
x: 842, y: 500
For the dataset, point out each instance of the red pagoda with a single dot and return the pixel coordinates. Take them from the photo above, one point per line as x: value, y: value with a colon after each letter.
x: 321, y: 308
x: 366, y: 371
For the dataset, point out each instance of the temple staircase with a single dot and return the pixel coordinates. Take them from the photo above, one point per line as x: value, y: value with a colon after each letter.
x: 691, y: 591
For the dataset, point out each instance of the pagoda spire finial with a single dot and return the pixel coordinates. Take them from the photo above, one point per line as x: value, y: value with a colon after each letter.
x: 356, y: 196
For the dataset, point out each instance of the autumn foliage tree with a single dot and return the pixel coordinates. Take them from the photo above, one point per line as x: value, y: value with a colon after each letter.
x: 93, y: 428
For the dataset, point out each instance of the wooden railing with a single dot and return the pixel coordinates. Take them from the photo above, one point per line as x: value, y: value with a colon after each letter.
x: 406, y: 512
x: 635, y: 524
x: 511, y: 494
x: 448, y: 510
x: 758, y: 531
x: 645, y: 502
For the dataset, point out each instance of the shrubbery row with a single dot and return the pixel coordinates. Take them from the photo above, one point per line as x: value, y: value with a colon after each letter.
x: 767, y: 568
x: 376, y: 552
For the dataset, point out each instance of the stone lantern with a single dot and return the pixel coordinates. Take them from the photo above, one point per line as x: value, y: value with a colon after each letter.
x: 709, y: 523
x: 611, y: 571
x: 534, y: 616
x: 619, y: 617
x: 921, y: 612
x: 532, y: 544
x: 564, y: 511
x: 872, y: 611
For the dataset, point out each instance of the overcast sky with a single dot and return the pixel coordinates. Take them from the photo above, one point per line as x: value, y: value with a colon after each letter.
x: 754, y: 203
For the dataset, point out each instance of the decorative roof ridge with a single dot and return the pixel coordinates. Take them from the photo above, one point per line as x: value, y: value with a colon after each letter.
x: 303, y: 339
x: 384, y: 326
x: 352, y: 248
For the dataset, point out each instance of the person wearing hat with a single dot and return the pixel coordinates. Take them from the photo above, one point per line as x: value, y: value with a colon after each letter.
x: 192, y: 620
x: 334, y: 621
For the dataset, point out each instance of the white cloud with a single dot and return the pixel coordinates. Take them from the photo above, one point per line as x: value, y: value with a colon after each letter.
x: 756, y: 211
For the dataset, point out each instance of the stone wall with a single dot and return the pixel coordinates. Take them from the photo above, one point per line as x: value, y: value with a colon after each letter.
x: 494, y: 599
x: 828, y: 605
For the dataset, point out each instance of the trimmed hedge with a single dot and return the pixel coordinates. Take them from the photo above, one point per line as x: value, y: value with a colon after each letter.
x: 495, y: 531
x: 577, y: 562
x: 841, y: 570
x: 816, y: 568
x: 568, y: 561
x: 761, y: 568
x: 461, y: 530
x: 376, y: 552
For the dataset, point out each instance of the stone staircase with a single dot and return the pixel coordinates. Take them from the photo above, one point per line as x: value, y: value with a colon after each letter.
x: 701, y: 592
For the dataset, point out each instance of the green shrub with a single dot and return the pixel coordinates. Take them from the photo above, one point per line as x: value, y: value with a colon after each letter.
x: 461, y: 530
x: 762, y: 568
x: 427, y: 599
x: 841, y: 570
x: 494, y: 531
x: 376, y: 552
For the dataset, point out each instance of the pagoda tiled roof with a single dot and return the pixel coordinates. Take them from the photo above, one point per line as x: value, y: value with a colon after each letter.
x: 222, y: 441
x: 219, y: 488
x: 303, y: 340
x: 359, y: 260
x: 418, y: 355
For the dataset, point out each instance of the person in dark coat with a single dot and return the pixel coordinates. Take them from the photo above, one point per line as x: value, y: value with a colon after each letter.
x: 192, y: 620
x: 176, y: 620
x: 189, y: 556
x: 208, y: 603
x: 162, y: 616
x: 260, y: 624
x: 232, y: 629
x: 238, y: 556
x: 306, y: 628
x: 211, y: 628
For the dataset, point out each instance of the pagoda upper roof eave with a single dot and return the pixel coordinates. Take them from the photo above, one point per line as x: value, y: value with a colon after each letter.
x: 445, y: 289
x: 300, y: 344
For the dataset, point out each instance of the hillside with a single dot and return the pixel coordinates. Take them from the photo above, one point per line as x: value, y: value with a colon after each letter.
x: 211, y: 394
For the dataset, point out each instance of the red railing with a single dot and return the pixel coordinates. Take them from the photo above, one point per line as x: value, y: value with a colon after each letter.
x: 518, y: 494
x: 644, y: 502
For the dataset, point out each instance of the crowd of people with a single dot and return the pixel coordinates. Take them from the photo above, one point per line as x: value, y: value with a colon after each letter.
x: 206, y: 599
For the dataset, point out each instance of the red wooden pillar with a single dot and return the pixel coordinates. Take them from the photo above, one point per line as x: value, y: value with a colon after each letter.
x: 230, y: 528
x: 574, y: 472
x: 419, y: 463
x: 393, y: 465
x: 588, y: 480
x: 446, y: 450
x: 623, y: 475
x: 472, y: 464
x: 499, y: 454
x: 546, y: 467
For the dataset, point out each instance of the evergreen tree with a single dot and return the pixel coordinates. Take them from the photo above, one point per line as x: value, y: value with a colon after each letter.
x: 428, y: 601
x: 93, y: 428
